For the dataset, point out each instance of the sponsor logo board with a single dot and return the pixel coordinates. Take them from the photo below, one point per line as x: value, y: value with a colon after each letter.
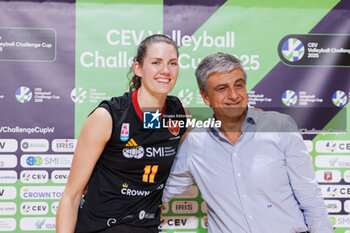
x: 34, y: 145
x: 8, y: 145
x: 8, y: 177
x: 60, y: 176
x: 34, y: 208
x: 46, y: 160
x: 8, y: 208
x: 41, y: 192
x: 64, y: 145
x: 184, y: 207
x: 8, y: 161
x: 34, y: 176
x: 8, y: 192
x: 179, y: 222
x: 7, y: 224
x: 38, y: 224
x: 330, y: 176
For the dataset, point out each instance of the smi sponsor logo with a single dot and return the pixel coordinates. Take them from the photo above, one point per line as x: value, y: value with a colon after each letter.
x: 64, y: 145
x: 47, y: 161
x: 334, y: 146
x: 132, y: 192
x: 34, y: 145
x: 34, y: 208
x: 34, y: 176
x: 8, y: 145
x: 41, y: 192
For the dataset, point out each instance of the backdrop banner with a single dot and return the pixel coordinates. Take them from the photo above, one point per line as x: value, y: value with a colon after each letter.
x: 59, y: 59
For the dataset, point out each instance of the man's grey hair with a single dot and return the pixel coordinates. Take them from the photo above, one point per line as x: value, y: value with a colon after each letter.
x: 216, y: 63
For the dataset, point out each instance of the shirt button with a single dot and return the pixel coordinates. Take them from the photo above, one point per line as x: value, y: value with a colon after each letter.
x: 244, y: 195
x: 250, y: 217
x: 239, y: 174
x: 235, y: 154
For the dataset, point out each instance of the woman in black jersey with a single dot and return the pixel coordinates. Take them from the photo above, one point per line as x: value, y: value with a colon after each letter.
x: 125, y: 150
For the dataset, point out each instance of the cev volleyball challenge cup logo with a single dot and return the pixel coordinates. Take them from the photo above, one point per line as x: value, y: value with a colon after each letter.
x: 78, y: 95
x: 339, y: 98
x: 289, y: 98
x: 293, y: 50
x: 23, y: 94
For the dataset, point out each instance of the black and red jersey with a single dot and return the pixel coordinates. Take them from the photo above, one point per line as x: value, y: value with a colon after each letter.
x: 127, y: 182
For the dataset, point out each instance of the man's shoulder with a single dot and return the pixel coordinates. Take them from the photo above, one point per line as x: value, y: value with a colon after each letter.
x: 273, y: 120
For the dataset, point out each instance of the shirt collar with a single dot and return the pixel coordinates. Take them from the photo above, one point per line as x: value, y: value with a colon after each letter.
x: 250, y: 119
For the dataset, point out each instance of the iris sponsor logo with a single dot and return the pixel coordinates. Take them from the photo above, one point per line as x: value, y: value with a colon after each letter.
x: 34, y: 145
x: 8, y: 208
x: 8, y: 193
x: 8, y: 161
x: 179, y: 222
x: 289, y: 98
x: 47, y: 160
x: 185, y: 207
x: 8, y: 145
x: 339, y: 98
x: 34, y: 208
x: 8, y: 177
x: 64, y: 145
x: 23, y: 94
x: 293, y: 49
x: 41, y: 192
x: 151, y: 120
x: 37, y: 224
x: 132, y: 192
x: 60, y: 176
x: 34, y: 176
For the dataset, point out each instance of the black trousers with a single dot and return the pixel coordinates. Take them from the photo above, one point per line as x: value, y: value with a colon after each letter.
x: 125, y: 228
